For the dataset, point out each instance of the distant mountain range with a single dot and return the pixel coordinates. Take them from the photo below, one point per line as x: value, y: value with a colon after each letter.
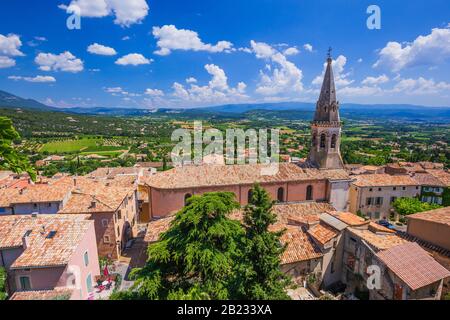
x: 11, y: 101
x: 292, y: 110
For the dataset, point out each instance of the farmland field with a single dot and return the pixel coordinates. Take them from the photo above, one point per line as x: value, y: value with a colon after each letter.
x: 63, y: 146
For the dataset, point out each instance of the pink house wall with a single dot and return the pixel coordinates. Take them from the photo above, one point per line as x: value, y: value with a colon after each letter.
x: 164, y: 202
x: 54, y: 277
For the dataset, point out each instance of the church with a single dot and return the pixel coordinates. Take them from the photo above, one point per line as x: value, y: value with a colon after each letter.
x: 321, y: 178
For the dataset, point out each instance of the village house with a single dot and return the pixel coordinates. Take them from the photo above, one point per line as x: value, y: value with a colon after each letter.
x: 373, y: 194
x: 42, y: 198
x: 114, y: 210
x: 407, y: 271
x: 431, y: 187
x: 431, y: 226
x: 49, y: 254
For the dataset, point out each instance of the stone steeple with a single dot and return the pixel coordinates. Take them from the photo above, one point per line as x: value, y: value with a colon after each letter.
x: 326, y: 127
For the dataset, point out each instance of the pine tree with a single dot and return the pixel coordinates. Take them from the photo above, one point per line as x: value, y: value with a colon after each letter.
x: 263, y: 279
x: 197, y: 257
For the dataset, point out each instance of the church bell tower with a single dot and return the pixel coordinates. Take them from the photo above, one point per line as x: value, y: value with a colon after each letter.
x: 326, y: 128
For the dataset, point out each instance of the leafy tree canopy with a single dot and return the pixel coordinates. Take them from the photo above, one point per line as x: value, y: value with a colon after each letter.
x: 262, y: 277
x: 406, y: 206
x: 10, y: 159
x: 197, y: 257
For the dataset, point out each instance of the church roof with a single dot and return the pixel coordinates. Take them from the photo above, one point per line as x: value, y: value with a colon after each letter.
x: 327, y: 106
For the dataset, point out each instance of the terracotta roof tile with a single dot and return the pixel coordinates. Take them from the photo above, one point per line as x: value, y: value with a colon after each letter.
x: 441, y: 175
x: 383, y: 180
x: 413, y: 265
x: 323, y: 233
x: 427, y: 179
x: 56, y: 294
x: 156, y: 227
x: 349, y: 218
x: 225, y: 175
x: 441, y: 216
x: 378, y: 241
x: 300, y: 246
x: 41, y: 249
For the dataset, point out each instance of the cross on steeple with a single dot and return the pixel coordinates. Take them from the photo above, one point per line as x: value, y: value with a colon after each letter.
x: 329, y: 52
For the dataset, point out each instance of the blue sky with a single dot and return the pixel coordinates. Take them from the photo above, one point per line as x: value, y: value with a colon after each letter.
x: 170, y: 53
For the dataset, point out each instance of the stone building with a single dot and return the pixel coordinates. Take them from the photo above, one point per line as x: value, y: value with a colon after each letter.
x: 169, y: 190
x: 373, y: 194
x: 326, y: 126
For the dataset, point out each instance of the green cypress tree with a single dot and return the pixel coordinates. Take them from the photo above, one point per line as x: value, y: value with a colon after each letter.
x: 263, y: 279
x: 197, y: 257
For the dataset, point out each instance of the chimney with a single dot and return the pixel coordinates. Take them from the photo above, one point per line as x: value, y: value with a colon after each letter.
x: 26, y: 240
x: 74, y: 182
x: 93, y: 204
x: 43, y: 230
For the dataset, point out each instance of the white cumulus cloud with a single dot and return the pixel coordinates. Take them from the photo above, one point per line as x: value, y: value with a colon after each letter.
x: 154, y: 92
x: 375, y: 80
x: 308, y: 47
x: 10, y: 45
x: 170, y: 38
x: 37, y: 79
x: 420, y: 86
x: 284, y: 76
x: 126, y: 12
x: 291, y: 51
x: 341, y: 78
x: 65, y: 61
x: 216, y: 91
x: 101, y: 50
x: 134, y: 59
x: 6, y: 62
x: 431, y: 49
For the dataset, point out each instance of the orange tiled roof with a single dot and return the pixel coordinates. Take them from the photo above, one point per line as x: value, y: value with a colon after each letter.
x: 106, y: 199
x: 413, y: 265
x: 220, y: 175
x: 441, y: 175
x: 349, y: 218
x: 40, y: 250
x: 427, y: 179
x: 6, y: 196
x: 378, y: 241
x: 56, y: 294
x: 323, y: 233
x: 54, y: 192
x: 441, y: 216
x: 156, y: 227
x: 383, y: 180
x: 300, y: 247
